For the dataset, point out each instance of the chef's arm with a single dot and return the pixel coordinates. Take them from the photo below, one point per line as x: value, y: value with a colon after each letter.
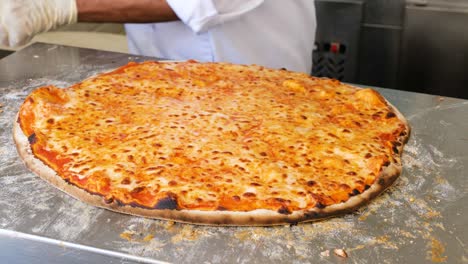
x: 199, y: 15
x: 135, y: 11
x: 21, y: 20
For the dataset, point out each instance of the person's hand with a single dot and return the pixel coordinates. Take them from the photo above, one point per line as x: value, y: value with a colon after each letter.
x: 20, y: 20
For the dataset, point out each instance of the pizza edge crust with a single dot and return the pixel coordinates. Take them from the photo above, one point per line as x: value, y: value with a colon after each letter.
x: 259, y: 217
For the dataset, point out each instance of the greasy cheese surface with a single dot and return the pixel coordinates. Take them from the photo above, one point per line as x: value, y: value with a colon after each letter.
x: 211, y: 136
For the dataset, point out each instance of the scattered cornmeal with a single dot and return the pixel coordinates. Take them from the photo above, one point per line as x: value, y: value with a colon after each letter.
x: 127, y: 235
x: 340, y: 253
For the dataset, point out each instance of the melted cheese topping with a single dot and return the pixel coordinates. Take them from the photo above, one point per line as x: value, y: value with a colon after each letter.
x: 213, y: 136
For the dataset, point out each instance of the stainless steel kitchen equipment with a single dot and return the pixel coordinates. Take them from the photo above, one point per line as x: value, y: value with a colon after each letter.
x: 337, y: 39
x: 371, y: 31
x: 413, y: 45
x: 420, y: 219
x: 434, y: 52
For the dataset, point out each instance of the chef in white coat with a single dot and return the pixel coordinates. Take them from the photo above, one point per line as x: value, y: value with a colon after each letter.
x: 272, y: 33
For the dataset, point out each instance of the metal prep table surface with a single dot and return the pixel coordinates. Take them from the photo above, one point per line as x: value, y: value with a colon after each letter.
x: 421, y: 218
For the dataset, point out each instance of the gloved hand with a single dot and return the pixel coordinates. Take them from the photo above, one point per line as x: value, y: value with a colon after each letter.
x: 20, y: 20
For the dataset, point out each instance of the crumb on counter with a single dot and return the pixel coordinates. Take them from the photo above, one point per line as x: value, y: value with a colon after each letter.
x: 340, y: 252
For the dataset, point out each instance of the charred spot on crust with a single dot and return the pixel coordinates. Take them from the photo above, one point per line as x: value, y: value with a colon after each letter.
x: 109, y: 200
x: 366, y: 187
x: 390, y: 115
x: 312, y: 214
x: 381, y: 181
x: 169, y: 202
x: 119, y: 203
x: 395, y: 149
x: 284, y: 210
x: 319, y: 205
x: 32, y: 138
x: 355, y: 192
x: 136, y: 204
x: 386, y: 163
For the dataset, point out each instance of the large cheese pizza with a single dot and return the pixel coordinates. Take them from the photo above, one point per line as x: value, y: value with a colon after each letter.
x: 213, y: 143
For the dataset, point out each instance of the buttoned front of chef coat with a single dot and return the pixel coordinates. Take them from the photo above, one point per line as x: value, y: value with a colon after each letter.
x: 272, y: 33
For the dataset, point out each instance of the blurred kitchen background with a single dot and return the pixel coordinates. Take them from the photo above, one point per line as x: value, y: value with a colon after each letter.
x: 413, y: 45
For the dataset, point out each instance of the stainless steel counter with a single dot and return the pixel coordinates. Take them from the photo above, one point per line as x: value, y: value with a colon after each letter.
x: 422, y: 218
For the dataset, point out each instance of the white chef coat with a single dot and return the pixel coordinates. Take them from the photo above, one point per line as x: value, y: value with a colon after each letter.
x: 272, y: 33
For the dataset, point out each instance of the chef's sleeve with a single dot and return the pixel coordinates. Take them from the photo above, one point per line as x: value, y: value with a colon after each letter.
x: 201, y: 15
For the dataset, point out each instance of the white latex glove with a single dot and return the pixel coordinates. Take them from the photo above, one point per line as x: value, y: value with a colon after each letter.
x: 20, y: 20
